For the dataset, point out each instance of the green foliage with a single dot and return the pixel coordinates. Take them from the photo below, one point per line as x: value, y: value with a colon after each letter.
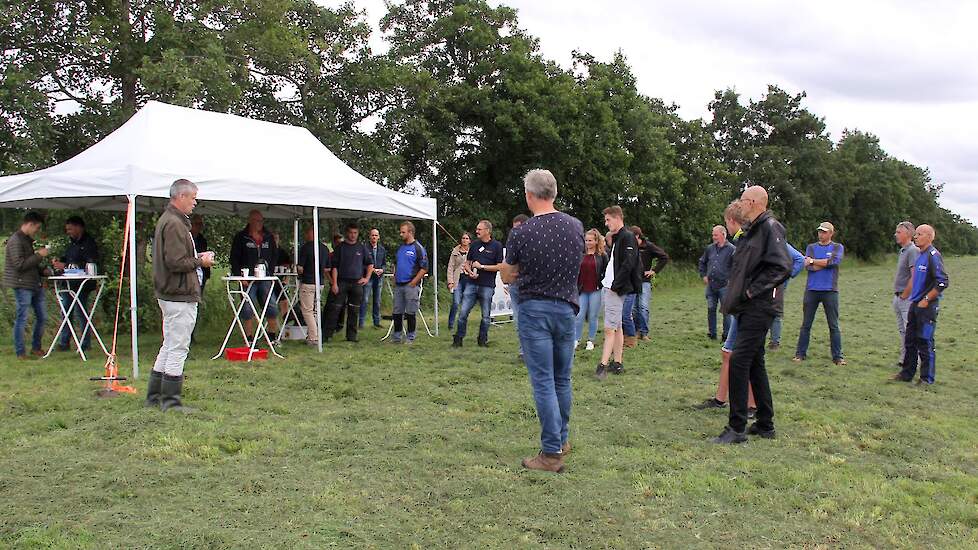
x: 460, y: 107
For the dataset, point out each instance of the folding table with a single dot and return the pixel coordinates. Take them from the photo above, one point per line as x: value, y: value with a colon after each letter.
x: 238, y: 287
x: 62, y: 285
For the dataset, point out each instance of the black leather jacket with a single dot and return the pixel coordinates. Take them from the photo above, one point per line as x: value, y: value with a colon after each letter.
x: 760, y: 265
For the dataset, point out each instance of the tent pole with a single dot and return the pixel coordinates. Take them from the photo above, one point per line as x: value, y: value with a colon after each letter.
x: 134, y: 321
x: 434, y: 267
x: 315, y: 255
x: 295, y: 242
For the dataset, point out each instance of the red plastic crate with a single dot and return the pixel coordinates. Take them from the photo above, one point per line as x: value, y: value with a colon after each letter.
x: 241, y: 354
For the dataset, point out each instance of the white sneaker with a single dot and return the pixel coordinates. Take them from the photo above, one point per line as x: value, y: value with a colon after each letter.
x: 575, y: 345
x: 590, y: 346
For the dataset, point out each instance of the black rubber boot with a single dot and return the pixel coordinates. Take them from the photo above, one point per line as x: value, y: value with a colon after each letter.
x: 153, y: 389
x: 170, y: 398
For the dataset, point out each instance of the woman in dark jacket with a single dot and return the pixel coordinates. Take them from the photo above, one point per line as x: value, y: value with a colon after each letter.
x: 589, y: 286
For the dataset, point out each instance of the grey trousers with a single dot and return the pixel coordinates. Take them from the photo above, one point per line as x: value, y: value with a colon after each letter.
x: 179, y: 319
x: 901, y: 308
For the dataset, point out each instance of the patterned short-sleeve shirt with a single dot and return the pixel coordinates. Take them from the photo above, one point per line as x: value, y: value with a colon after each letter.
x: 548, y: 249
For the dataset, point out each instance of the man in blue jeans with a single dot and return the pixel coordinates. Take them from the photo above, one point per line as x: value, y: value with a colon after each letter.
x: 372, y: 292
x: 481, y: 265
x: 545, y: 255
x: 714, y: 267
x: 822, y: 260
x: 648, y: 252
x: 22, y: 272
x: 82, y: 250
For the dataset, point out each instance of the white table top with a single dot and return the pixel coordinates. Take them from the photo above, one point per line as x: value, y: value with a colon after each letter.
x: 249, y: 278
x: 76, y: 277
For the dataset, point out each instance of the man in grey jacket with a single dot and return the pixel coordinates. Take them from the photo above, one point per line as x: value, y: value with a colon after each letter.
x: 22, y: 273
x: 177, y: 276
x: 902, y: 283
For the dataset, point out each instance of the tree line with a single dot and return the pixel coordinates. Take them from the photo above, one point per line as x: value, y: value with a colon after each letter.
x: 461, y: 105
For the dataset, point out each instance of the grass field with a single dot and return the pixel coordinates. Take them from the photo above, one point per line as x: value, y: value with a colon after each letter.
x: 378, y: 446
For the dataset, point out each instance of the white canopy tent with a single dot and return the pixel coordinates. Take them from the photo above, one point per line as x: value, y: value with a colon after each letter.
x: 238, y: 164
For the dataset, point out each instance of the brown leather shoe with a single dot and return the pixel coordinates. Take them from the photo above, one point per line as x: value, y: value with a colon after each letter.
x: 545, y: 462
x: 631, y: 341
x: 565, y: 449
x: 37, y: 353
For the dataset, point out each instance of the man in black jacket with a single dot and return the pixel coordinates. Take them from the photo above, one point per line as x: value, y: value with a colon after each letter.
x: 255, y: 245
x: 81, y: 251
x: 622, y: 276
x: 648, y: 252
x: 760, y: 265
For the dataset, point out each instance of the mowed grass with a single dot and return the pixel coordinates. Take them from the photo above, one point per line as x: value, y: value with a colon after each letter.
x: 378, y: 446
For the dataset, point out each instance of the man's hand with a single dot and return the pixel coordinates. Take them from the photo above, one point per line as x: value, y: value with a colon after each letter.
x: 363, y: 281
x: 706, y: 280
x: 59, y: 265
x: 451, y: 287
x: 924, y: 302
x: 43, y: 252
x: 335, y: 289
x: 477, y: 265
x: 207, y: 259
x: 378, y: 272
x: 650, y: 273
x: 473, y: 275
x: 904, y: 295
x: 299, y: 269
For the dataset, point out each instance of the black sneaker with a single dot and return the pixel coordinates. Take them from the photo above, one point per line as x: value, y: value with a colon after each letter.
x: 751, y: 413
x: 729, y: 437
x: 601, y: 372
x: 616, y: 367
x: 711, y: 336
x: 456, y: 342
x: 766, y: 434
x: 711, y: 403
x: 483, y: 343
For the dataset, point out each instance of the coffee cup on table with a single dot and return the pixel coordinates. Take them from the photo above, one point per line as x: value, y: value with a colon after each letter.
x: 245, y: 271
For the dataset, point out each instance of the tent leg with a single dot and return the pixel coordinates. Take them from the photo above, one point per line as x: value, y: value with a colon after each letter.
x: 134, y: 321
x: 315, y: 255
x: 295, y: 242
x: 434, y: 267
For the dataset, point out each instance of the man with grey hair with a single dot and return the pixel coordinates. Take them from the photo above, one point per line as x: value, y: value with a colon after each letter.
x: 714, y: 267
x: 481, y: 265
x: 543, y: 259
x: 902, y: 283
x: 177, y: 276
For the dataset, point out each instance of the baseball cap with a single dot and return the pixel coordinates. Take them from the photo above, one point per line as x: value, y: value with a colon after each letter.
x: 826, y: 226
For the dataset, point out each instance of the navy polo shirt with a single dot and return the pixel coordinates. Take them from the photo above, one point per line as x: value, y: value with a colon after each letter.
x: 351, y: 261
x: 490, y: 253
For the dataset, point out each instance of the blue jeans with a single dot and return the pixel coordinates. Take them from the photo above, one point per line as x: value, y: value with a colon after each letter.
x: 258, y: 291
x: 728, y: 345
x: 456, y: 300
x: 590, y: 308
x: 778, y: 322
x: 714, y: 296
x: 830, y: 302
x: 514, y: 297
x: 473, y: 293
x: 371, y: 292
x: 641, y: 311
x: 29, y: 298
x: 547, y: 334
x: 627, y: 310
x: 79, y: 320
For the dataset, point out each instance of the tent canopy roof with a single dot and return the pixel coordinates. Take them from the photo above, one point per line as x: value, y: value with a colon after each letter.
x: 238, y: 164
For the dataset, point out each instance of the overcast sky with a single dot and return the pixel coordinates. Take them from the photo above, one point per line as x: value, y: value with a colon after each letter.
x: 906, y: 71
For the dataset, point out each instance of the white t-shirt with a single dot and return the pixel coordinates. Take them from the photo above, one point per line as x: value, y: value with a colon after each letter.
x: 609, y: 273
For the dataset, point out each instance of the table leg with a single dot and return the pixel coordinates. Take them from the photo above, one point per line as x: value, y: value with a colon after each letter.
x: 261, y: 331
x: 236, y: 319
x: 64, y: 319
x: 390, y: 329
x: 89, y: 325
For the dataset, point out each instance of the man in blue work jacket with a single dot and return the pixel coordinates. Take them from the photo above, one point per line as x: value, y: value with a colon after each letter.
x: 822, y: 260
x: 929, y: 282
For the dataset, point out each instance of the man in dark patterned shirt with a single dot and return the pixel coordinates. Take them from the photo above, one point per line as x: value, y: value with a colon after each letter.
x: 546, y: 255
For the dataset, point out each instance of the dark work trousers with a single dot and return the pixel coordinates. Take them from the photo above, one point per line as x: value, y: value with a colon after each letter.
x: 349, y: 298
x: 919, y: 342
x: 747, y: 368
